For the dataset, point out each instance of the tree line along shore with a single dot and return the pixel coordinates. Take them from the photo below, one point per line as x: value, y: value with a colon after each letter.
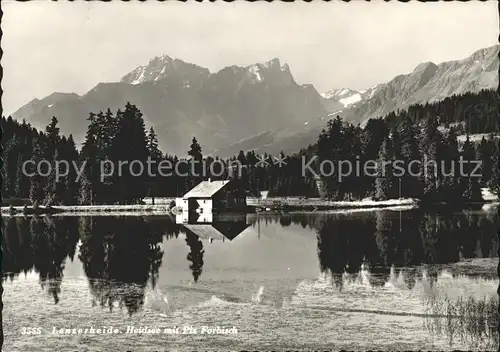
x: 429, y: 130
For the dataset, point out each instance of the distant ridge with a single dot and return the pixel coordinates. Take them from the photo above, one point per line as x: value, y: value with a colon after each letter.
x: 259, y: 106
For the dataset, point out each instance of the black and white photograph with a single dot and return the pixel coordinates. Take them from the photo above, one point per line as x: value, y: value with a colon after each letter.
x: 250, y: 176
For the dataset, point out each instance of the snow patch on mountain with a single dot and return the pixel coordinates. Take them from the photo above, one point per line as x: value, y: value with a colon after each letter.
x: 141, y: 76
x: 482, y: 65
x: 344, y: 96
x: 372, y: 92
x: 352, y: 99
x: 254, y: 69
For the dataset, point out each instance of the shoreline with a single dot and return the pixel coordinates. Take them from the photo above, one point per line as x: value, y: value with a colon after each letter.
x: 75, y: 210
x: 254, y: 205
x: 321, y: 204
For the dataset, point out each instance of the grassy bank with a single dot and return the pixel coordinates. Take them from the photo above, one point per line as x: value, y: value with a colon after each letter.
x: 322, y: 204
x: 312, y: 204
x: 88, y: 209
x: 163, y: 205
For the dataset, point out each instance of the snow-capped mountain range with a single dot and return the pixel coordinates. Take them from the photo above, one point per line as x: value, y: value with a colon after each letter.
x: 259, y: 106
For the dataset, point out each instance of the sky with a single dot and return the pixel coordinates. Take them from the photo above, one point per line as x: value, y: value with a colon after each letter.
x: 71, y: 46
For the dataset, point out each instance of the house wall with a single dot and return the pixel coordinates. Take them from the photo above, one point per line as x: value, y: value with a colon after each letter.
x: 179, y: 202
x: 182, y: 217
x: 229, y: 198
x: 205, y: 217
x: 205, y: 205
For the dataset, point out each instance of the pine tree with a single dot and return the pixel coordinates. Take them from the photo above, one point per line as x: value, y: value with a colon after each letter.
x: 109, y: 130
x: 484, y: 154
x: 373, y: 136
x: 9, y: 159
x: 156, y: 155
x: 36, y: 187
x: 430, y: 148
x: 385, y: 181
x: 18, y: 179
x: 71, y: 185
x: 469, y: 184
x: 411, y: 184
x: 50, y: 188
x: 494, y: 182
x: 26, y: 143
x: 52, y: 132
x: 196, y: 157
x: 130, y: 145
x: 195, y: 150
x: 450, y: 190
x: 85, y: 194
x: 89, y: 157
x: 55, y: 190
x: 152, y: 145
x: 472, y: 191
x: 329, y: 151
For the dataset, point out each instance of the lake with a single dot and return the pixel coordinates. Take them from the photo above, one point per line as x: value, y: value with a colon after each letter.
x: 380, y: 280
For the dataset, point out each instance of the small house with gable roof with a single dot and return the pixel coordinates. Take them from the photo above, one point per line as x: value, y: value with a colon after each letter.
x: 214, y: 196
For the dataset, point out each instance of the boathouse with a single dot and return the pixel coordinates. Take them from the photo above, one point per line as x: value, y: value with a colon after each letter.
x: 214, y: 196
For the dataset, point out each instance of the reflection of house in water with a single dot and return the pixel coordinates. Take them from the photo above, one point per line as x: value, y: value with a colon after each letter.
x: 219, y: 227
x: 197, y: 228
x: 210, y: 197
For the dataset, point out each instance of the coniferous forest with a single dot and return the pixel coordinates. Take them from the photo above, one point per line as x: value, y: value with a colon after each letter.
x: 422, y: 132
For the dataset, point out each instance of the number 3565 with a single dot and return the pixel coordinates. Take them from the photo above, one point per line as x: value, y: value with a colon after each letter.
x: 31, y: 331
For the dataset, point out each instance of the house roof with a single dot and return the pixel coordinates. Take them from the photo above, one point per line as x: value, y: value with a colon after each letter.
x: 217, y: 231
x: 205, y: 231
x: 206, y: 189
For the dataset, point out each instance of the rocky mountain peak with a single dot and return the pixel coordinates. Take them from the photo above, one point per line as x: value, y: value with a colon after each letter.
x: 270, y: 70
x: 424, y: 66
x: 161, y: 67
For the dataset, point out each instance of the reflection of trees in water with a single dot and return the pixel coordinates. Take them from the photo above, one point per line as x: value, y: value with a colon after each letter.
x: 159, y: 228
x: 391, y: 255
x: 39, y: 243
x: 16, y: 247
x: 343, y: 246
x: 379, y: 275
x: 285, y: 221
x: 195, y: 255
x: 345, y: 242
x: 469, y: 320
x: 382, y: 240
x: 119, y: 256
x: 305, y: 220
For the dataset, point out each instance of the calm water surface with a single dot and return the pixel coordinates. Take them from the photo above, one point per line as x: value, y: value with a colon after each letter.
x: 373, y: 280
